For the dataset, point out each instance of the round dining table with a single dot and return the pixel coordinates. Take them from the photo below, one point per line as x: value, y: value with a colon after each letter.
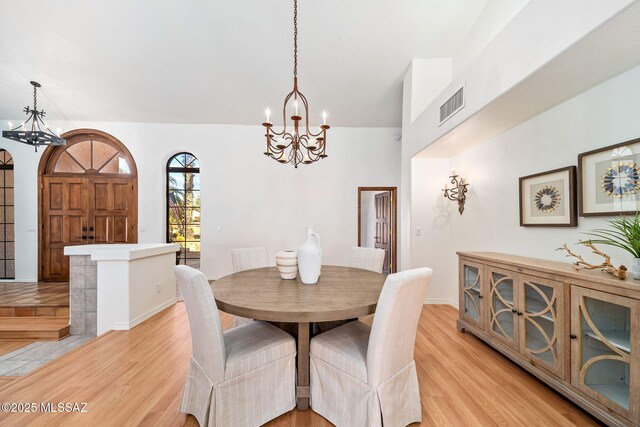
x: 341, y: 293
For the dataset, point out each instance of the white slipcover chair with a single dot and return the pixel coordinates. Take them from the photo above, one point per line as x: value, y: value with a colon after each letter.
x: 371, y: 259
x: 242, y: 377
x: 365, y: 375
x: 248, y: 259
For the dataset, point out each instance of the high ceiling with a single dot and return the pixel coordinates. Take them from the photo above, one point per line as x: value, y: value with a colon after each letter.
x: 213, y: 61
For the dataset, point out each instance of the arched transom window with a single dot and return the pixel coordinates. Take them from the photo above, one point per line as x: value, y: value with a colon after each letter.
x: 92, y: 157
x: 183, y: 206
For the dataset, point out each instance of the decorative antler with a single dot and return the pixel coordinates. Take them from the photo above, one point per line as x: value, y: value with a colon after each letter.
x: 606, y: 266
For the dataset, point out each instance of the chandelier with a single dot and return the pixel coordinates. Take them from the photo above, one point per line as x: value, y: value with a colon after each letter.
x: 31, y: 131
x: 297, y: 144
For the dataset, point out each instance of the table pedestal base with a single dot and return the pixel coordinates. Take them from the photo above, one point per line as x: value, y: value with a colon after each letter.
x: 302, y: 391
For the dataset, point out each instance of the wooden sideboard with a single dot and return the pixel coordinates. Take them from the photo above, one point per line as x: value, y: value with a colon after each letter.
x: 578, y: 331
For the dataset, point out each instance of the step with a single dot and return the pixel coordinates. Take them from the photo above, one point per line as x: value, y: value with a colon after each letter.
x: 43, y: 328
x: 34, y: 311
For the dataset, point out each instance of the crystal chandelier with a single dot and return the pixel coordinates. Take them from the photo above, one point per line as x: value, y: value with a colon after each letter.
x: 298, y: 144
x: 31, y: 131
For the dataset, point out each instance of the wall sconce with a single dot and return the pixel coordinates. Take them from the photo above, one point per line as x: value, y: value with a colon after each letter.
x: 458, y: 192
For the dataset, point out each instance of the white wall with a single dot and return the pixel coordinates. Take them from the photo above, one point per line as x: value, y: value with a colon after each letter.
x: 430, y: 76
x: 532, y: 38
x: 604, y: 115
x: 493, y: 18
x: 254, y: 200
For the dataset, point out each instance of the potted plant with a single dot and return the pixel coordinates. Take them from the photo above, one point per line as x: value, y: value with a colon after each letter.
x: 624, y: 234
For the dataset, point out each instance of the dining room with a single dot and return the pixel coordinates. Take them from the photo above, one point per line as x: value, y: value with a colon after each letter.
x: 310, y: 213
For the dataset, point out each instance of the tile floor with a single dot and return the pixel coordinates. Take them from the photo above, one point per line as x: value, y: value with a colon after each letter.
x: 34, y: 355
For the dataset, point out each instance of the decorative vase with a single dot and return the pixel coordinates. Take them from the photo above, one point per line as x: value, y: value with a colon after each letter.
x: 287, y: 262
x: 635, y: 270
x: 310, y: 258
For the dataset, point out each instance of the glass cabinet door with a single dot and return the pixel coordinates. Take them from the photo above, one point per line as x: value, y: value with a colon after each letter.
x: 502, y: 316
x: 542, y: 324
x: 471, y: 306
x: 604, y: 347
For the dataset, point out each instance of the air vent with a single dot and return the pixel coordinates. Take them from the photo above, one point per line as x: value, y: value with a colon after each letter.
x: 452, y: 106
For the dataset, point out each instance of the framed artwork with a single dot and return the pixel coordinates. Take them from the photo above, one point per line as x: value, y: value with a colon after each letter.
x: 609, y: 180
x: 548, y: 199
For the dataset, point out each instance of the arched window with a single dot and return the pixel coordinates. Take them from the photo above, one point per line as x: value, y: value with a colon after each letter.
x: 7, y: 236
x: 183, y: 206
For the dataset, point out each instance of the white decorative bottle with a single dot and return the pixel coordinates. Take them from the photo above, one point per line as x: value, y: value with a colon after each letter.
x: 310, y: 258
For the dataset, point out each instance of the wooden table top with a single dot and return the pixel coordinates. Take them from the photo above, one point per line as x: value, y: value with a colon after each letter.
x: 341, y: 293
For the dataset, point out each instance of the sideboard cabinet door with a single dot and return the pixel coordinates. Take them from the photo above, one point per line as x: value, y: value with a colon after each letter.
x: 471, y: 293
x: 542, y: 322
x: 605, y: 345
x: 502, y: 318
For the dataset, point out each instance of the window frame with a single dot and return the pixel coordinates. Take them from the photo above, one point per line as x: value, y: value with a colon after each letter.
x: 181, y: 257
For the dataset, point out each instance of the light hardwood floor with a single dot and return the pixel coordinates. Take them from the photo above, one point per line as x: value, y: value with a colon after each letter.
x: 136, y: 377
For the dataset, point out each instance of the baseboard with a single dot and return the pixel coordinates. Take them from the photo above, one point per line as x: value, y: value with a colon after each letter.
x: 441, y: 301
x: 144, y: 316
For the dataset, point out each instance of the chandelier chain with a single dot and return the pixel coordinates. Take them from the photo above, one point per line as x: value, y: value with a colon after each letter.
x: 295, y: 38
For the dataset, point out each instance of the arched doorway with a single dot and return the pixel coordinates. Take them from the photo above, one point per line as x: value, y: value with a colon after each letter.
x: 88, y: 195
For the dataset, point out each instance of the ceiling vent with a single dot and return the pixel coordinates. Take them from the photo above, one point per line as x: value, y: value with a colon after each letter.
x: 452, y: 105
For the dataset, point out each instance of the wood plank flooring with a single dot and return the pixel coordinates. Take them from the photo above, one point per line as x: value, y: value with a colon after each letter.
x: 136, y: 377
x: 34, y: 299
x: 33, y: 328
x: 9, y: 346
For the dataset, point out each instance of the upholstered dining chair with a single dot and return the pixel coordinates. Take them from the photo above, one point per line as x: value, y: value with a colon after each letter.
x: 248, y: 259
x: 367, y: 259
x: 241, y: 377
x: 365, y: 375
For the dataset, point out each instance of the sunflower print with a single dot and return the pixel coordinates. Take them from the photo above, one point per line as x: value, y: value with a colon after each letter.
x: 621, y: 180
x: 547, y: 199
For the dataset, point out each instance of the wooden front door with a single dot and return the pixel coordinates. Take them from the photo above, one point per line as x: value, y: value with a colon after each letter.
x: 383, y: 229
x: 88, y: 196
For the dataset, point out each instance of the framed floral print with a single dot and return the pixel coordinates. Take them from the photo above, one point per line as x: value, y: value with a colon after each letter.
x: 548, y: 199
x: 609, y: 180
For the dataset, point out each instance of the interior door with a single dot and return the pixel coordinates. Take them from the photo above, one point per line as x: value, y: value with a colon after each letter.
x: 383, y: 228
x: 65, y: 223
x: 113, y: 210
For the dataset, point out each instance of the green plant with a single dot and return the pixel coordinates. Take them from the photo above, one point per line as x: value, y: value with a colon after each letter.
x: 624, y: 234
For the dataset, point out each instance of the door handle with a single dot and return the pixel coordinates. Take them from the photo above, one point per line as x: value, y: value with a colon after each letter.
x: 91, y: 237
x: 83, y: 237
x: 90, y: 228
x: 573, y: 337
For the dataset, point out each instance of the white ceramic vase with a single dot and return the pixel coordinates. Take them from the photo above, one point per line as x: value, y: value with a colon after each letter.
x: 310, y: 258
x: 635, y: 270
x: 287, y: 262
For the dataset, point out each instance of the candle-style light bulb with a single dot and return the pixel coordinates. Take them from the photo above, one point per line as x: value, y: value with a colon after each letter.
x: 453, y: 172
x: 295, y: 107
x: 10, y: 125
x: 268, y: 114
x: 446, y: 186
x: 324, y: 117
